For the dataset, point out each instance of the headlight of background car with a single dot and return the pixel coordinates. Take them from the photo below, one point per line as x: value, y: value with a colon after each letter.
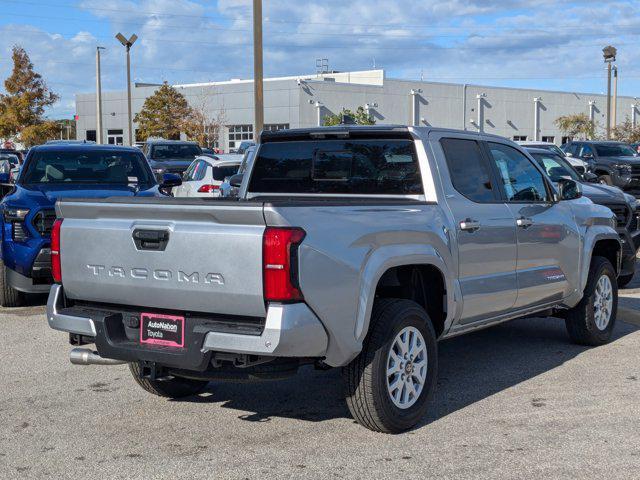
x: 158, y: 171
x: 14, y: 214
x: 624, y: 168
x: 15, y: 217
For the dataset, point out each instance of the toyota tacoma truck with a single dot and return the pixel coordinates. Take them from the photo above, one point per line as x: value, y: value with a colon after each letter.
x: 351, y: 247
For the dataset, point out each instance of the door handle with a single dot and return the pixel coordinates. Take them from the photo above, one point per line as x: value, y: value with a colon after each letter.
x: 151, y: 239
x: 523, y: 222
x: 469, y: 225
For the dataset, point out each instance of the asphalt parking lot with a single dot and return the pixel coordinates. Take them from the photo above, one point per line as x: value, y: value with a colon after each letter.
x: 514, y: 401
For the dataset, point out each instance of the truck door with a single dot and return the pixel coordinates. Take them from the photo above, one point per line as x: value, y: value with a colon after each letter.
x: 485, y: 231
x: 548, y: 239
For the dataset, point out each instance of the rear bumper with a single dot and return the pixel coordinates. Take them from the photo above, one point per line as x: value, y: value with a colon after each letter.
x: 27, y: 284
x: 290, y: 330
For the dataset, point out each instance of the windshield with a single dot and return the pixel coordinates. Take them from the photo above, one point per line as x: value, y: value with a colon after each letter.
x: 222, y: 172
x: 185, y: 151
x: 556, y: 167
x: 615, y: 150
x: 87, y: 166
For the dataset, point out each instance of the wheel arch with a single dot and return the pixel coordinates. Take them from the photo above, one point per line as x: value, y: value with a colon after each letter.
x: 386, y: 275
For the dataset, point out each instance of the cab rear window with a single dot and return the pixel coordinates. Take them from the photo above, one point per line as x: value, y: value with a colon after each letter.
x: 385, y: 167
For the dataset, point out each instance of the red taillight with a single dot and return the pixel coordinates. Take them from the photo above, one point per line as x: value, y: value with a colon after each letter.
x: 56, y: 267
x: 279, y: 262
x: 208, y: 188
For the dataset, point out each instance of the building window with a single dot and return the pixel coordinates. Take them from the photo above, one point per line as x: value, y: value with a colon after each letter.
x: 566, y: 140
x: 238, y: 134
x: 274, y: 127
x: 549, y: 139
x: 519, y: 138
x: 91, y: 136
x: 115, y: 137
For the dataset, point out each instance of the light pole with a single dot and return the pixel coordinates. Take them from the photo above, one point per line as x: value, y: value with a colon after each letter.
x: 98, y: 98
x: 614, y: 110
x: 128, y: 44
x: 609, y: 54
x: 480, y: 97
x: 536, y: 118
x: 415, y: 92
x: 258, y: 88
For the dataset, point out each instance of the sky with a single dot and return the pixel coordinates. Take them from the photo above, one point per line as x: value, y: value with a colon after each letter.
x: 547, y: 44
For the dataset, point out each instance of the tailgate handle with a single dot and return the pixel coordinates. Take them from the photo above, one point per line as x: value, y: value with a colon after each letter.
x: 151, y: 239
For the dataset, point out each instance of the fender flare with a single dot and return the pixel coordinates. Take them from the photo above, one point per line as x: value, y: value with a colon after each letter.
x: 593, y: 235
x: 392, y: 256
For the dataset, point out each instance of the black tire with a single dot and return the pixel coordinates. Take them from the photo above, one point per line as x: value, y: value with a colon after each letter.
x: 365, y: 378
x: 605, y: 180
x: 624, y: 280
x: 9, y: 296
x: 175, y: 387
x: 580, y: 320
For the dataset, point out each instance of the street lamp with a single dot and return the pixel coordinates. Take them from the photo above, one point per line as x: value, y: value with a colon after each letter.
x: 609, y: 53
x: 128, y: 44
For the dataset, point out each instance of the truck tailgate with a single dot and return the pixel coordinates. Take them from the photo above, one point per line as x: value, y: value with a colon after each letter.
x: 162, y: 253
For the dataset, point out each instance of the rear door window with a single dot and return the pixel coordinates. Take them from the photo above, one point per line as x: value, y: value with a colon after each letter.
x: 385, y: 166
x: 470, y: 172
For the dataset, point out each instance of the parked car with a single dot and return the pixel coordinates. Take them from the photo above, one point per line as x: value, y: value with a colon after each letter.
x: 170, y: 156
x: 581, y: 166
x: 9, y: 167
x: 353, y: 247
x: 204, y: 177
x: 244, y: 146
x: 623, y: 205
x: 51, y: 172
x: 636, y: 147
x: 11, y: 151
x: 615, y: 163
x: 226, y: 190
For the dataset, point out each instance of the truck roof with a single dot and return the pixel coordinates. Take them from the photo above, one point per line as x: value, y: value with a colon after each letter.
x: 83, y: 146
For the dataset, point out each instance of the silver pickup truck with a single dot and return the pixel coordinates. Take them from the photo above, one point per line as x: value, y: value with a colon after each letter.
x: 352, y: 247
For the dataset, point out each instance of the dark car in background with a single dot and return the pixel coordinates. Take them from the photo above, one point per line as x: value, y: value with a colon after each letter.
x: 51, y: 172
x: 615, y: 163
x: 170, y: 156
x: 621, y: 204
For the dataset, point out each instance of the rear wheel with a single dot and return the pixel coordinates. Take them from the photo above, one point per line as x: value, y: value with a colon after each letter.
x: 591, y: 322
x: 9, y: 296
x: 175, y: 387
x: 389, y: 384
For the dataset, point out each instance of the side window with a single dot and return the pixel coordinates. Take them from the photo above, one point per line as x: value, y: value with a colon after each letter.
x: 201, y: 170
x: 585, y: 150
x: 188, y: 173
x: 521, y: 180
x: 470, y: 172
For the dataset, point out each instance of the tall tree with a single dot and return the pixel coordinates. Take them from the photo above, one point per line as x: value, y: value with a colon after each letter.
x: 577, y: 126
x: 202, y: 126
x: 164, y: 114
x: 360, y: 116
x: 22, y: 107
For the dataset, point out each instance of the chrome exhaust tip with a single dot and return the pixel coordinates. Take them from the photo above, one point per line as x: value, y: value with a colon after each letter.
x: 83, y: 356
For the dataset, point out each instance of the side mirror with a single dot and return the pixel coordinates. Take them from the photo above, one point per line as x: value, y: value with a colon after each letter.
x: 236, y: 180
x: 590, y: 177
x: 568, y: 154
x: 170, y: 180
x: 569, y: 189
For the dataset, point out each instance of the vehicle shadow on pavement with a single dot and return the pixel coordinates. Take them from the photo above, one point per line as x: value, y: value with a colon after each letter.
x: 472, y: 368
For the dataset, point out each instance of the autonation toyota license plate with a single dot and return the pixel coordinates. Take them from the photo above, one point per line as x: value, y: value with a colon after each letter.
x: 164, y: 330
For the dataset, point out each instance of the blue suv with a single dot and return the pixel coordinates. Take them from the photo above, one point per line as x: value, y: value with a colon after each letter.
x: 55, y: 171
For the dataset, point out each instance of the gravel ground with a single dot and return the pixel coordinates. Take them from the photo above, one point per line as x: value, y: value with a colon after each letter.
x: 515, y: 401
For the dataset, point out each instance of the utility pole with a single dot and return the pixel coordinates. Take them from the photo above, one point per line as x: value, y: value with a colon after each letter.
x: 614, y: 113
x: 609, y: 54
x: 258, y: 89
x: 536, y: 118
x: 98, y: 98
x: 128, y: 44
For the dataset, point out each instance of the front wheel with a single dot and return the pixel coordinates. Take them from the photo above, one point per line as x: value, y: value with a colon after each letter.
x: 591, y: 322
x: 9, y: 296
x: 389, y: 384
x: 605, y: 180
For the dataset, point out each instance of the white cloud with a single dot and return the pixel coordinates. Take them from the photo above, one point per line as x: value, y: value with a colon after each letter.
x: 513, y: 42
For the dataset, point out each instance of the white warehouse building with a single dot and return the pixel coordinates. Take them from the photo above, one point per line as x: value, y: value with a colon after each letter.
x: 303, y: 101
